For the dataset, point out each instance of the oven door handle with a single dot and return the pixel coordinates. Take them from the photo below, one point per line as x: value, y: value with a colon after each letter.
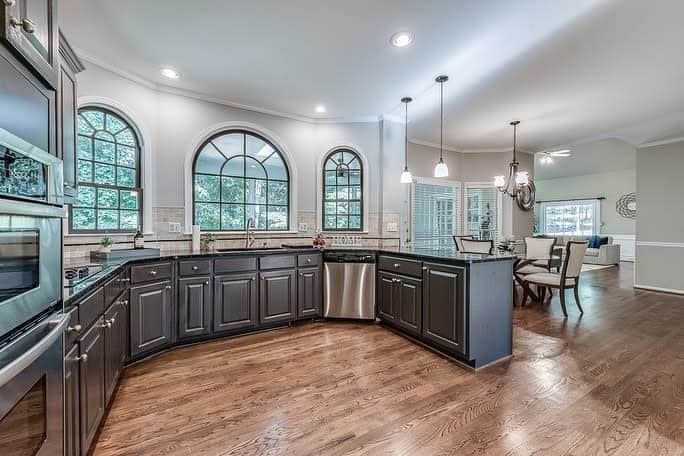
x: 15, y: 367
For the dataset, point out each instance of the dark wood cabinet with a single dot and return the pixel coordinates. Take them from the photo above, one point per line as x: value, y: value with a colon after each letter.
x: 92, y: 382
x: 30, y: 28
x: 115, y: 346
x: 309, y: 294
x: 410, y: 305
x: 277, y: 296
x: 194, y: 307
x: 150, y: 317
x: 236, y: 302
x: 386, y: 298
x: 444, y: 319
x: 72, y: 443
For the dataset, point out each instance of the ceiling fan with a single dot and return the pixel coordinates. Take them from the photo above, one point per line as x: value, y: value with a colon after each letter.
x: 547, y: 157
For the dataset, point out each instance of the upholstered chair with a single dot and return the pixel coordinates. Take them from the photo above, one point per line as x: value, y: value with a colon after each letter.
x: 477, y: 246
x: 459, y: 244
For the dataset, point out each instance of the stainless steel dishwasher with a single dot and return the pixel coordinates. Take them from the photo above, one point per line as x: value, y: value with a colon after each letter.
x: 349, y: 285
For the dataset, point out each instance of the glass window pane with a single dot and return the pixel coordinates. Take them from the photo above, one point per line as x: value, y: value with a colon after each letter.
x: 330, y: 164
x: 355, y: 177
x: 234, y: 167
x: 233, y: 190
x: 355, y: 193
x: 275, y: 168
x: 230, y: 144
x: 277, y: 217
x: 108, y: 198
x: 107, y: 219
x: 207, y: 216
x: 95, y: 119
x: 355, y: 222
x: 126, y: 137
x: 85, y: 148
x: 258, y: 214
x: 126, y: 156
x: 330, y: 177
x: 125, y: 176
x: 104, y: 174
x: 330, y: 193
x: 83, y: 219
x: 342, y: 193
x: 209, y: 161
x: 114, y: 125
x: 206, y: 188
x: 355, y: 208
x: 342, y: 208
x: 256, y: 191
x: 277, y: 193
x: 107, y: 137
x: 104, y: 151
x: 254, y: 169
x: 258, y: 148
x: 335, y: 159
x: 128, y: 199
x: 86, y: 196
x: 85, y: 171
x: 330, y: 221
x: 232, y: 217
x: 342, y: 222
x: 355, y: 164
x: 129, y: 220
x: 84, y: 127
x: 330, y: 208
x: 342, y: 176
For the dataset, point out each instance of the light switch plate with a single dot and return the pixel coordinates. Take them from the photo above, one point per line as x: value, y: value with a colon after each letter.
x: 174, y: 227
x: 303, y: 227
x: 392, y: 227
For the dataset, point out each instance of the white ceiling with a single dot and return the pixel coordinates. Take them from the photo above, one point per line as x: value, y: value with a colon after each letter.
x: 594, y: 157
x: 570, y: 70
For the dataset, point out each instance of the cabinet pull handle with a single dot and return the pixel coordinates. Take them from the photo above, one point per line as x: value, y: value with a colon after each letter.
x: 83, y: 358
x: 153, y: 273
x: 308, y: 260
x: 126, y: 279
x: 168, y: 287
x: 206, y: 282
x: 424, y: 268
x: 124, y: 302
x: 26, y: 25
x: 112, y: 321
x: 195, y: 268
x: 75, y: 328
x: 397, y: 265
x: 106, y: 325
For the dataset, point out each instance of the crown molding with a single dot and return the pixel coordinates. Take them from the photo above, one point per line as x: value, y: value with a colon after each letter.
x: 662, y: 142
x: 466, y: 151
x: 162, y: 88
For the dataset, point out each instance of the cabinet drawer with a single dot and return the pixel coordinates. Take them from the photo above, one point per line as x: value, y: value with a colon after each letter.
x: 401, y: 265
x: 91, y: 308
x: 146, y: 273
x: 313, y: 259
x: 73, y: 330
x: 277, y: 262
x: 239, y: 264
x: 113, y: 289
x: 188, y: 268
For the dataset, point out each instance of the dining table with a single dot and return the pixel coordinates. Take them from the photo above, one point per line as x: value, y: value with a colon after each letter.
x: 522, y: 260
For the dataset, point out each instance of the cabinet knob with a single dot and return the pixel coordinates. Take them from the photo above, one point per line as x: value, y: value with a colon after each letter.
x: 83, y: 358
x: 206, y: 282
x: 126, y: 279
x: 153, y: 273
x: 26, y: 25
x: 111, y: 321
x: 124, y: 302
x: 424, y: 268
x: 168, y: 287
x: 308, y: 260
x: 195, y: 268
x: 397, y: 265
x: 75, y: 328
x: 106, y: 325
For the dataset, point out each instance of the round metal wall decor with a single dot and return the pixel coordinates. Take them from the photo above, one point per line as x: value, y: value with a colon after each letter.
x: 626, y: 206
x: 526, y: 196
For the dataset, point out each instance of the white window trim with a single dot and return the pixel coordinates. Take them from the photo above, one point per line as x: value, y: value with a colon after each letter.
x: 499, y: 206
x: 199, y: 139
x: 434, y: 181
x: 364, y: 189
x: 596, y: 203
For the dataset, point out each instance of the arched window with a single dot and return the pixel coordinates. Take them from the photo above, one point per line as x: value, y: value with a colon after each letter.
x: 343, y: 191
x: 240, y: 176
x: 108, y: 174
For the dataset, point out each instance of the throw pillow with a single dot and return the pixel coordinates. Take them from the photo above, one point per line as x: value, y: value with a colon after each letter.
x: 602, y: 241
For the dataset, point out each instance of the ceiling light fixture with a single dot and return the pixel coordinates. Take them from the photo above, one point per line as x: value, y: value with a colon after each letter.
x: 170, y: 73
x: 441, y: 169
x: 320, y: 109
x: 406, y: 177
x: 401, y: 39
x: 519, y: 185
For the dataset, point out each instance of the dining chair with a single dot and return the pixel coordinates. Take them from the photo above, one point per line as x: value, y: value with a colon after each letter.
x: 568, y: 278
x: 477, y: 246
x: 459, y: 244
x: 541, y: 248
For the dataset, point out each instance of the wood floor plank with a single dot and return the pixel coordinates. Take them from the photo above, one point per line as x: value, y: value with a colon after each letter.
x: 610, y: 381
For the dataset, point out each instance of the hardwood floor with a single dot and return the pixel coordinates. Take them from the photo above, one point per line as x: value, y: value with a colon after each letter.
x: 608, y: 382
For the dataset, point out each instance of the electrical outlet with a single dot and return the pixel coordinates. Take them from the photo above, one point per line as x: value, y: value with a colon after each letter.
x: 174, y: 227
x: 303, y: 227
x: 392, y: 227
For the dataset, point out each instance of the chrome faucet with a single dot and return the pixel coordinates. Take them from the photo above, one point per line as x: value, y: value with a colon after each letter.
x: 250, y: 239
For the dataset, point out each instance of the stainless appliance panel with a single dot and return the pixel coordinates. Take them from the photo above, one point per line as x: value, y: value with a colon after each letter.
x: 349, y: 290
x: 31, y: 390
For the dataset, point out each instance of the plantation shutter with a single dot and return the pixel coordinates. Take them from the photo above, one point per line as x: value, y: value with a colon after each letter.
x: 482, y: 212
x: 435, y: 213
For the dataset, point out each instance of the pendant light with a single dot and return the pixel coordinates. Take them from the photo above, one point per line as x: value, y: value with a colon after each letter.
x: 441, y: 169
x: 406, y: 177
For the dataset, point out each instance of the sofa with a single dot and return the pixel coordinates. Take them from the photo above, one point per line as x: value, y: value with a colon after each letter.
x: 605, y: 255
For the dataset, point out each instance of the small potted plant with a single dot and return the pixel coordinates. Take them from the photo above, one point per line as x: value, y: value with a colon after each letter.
x: 106, y: 244
x: 209, y: 241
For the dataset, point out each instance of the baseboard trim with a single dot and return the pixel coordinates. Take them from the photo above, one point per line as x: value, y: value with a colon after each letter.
x: 659, y: 244
x: 660, y: 289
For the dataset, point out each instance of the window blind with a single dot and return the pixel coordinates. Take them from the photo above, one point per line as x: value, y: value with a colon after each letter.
x: 435, y: 213
x: 482, y: 212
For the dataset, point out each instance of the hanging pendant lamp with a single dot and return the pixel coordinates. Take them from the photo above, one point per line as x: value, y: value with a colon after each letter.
x: 406, y: 177
x: 441, y: 169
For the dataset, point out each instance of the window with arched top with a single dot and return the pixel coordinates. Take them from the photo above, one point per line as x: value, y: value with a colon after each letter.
x: 240, y: 177
x: 343, y: 191
x: 109, y: 195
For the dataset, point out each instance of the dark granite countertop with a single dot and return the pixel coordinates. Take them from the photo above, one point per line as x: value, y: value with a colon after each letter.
x: 110, y: 268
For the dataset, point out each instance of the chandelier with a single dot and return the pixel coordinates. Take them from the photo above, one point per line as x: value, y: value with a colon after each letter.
x: 518, y: 186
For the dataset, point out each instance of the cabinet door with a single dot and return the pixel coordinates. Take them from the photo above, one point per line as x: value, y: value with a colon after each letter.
x: 410, y: 305
x: 309, y: 295
x: 387, y: 296
x: 444, y: 306
x: 235, y: 302
x: 30, y: 26
x: 277, y: 296
x: 72, y: 444
x: 194, y: 307
x: 115, y: 336
x: 150, y: 324
x: 67, y: 127
x: 92, y: 382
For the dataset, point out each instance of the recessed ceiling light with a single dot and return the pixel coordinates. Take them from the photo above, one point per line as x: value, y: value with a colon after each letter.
x: 401, y: 39
x: 170, y: 73
x: 320, y: 109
